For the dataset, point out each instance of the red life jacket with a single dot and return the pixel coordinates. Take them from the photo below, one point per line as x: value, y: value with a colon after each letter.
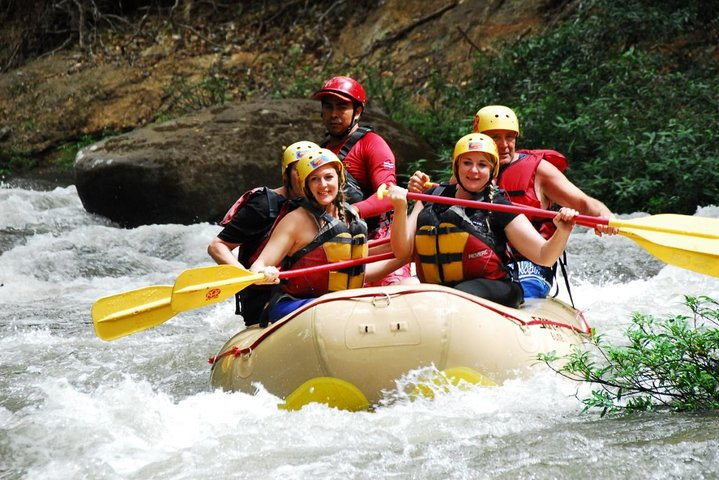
x: 451, y: 247
x: 336, y: 241
x: 518, y: 178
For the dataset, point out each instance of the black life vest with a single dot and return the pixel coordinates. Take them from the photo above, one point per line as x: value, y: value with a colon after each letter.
x: 276, y: 203
x: 250, y: 302
x: 353, y: 192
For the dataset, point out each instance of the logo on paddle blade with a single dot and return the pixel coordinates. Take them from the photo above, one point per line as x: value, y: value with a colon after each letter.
x: 212, y: 294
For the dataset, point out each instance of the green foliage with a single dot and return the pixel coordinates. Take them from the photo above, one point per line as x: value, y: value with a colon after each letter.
x: 13, y: 160
x: 185, y: 97
x: 621, y: 89
x: 303, y: 80
x: 667, y: 363
x: 68, y: 152
x: 426, y: 109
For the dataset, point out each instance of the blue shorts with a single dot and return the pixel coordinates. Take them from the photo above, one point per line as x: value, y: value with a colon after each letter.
x: 286, y: 306
x: 536, y: 279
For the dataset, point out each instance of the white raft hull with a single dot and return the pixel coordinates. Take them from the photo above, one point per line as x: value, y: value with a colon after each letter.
x: 346, y: 348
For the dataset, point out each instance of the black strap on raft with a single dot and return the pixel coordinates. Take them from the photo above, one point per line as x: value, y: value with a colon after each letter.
x: 277, y: 294
x: 563, y: 265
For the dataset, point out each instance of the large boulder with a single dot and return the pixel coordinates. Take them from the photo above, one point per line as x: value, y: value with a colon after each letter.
x: 193, y: 168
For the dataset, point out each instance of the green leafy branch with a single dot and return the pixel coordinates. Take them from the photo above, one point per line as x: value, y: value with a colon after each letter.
x: 671, y: 363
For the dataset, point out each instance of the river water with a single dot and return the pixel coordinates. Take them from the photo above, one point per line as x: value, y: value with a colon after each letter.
x: 75, y: 407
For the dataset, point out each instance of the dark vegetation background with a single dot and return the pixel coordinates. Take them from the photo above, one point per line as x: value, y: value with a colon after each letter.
x: 629, y: 91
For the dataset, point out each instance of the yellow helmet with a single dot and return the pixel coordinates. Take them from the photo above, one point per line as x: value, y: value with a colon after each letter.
x: 495, y: 117
x: 476, y: 142
x: 316, y: 159
x: 296, y: 151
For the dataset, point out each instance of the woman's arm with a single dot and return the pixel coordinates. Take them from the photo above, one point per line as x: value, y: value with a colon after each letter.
x: 280, y: 244
x: 376, y: 271
x: 523, y: 236
x: 403, y: 227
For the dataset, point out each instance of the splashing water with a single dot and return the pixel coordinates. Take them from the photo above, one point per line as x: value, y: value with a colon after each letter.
x: 74, y: 406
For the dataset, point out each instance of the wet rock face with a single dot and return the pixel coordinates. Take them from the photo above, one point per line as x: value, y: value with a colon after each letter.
x: 192, y: 169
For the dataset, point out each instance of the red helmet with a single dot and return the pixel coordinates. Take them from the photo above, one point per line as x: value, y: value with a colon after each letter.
x: 344, y: 87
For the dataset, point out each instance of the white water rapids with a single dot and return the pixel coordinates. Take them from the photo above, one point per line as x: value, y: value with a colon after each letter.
x: 75, y: 407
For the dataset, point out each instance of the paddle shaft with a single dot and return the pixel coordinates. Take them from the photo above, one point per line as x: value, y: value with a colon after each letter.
x: 585, y: 220
x: 202, y: 286
x: 377, y: 242
x: 336, y: 265
x: 689, y: 242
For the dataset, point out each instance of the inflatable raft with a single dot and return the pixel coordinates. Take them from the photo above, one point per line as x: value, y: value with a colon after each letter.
x: 347, y: 348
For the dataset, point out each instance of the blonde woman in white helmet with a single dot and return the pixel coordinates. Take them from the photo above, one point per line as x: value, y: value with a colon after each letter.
x: 323, y: 229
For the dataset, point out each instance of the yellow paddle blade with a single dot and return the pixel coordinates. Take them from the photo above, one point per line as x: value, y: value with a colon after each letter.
x: 334, y: 392
x: 199, y: 287
x: 680, y: 240
x: 684, y: 225
x: 118, y: 315
x: 696, y: 253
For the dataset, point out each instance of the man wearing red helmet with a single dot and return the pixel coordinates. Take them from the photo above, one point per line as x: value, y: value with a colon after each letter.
x: 368, y: 160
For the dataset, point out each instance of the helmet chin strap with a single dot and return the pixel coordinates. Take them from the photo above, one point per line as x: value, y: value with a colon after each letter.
x: 463, y: 188
x: 474, y: 194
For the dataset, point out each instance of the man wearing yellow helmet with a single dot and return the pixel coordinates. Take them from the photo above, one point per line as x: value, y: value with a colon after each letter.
x: 325, y: 229
x: 534, y: 178
x: 248, y: 223
x: 467, y: 248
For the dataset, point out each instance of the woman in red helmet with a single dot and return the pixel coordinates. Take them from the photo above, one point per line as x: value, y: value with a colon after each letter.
x: 366, y: 156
